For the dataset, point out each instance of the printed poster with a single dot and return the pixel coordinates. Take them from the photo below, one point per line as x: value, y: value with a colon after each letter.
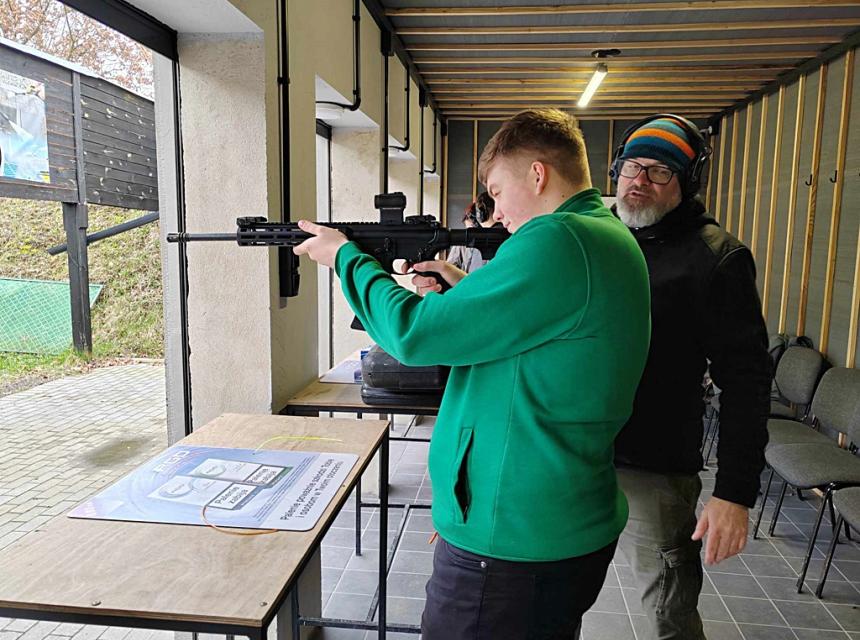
x: 23, y: 129
x: 247, y: 488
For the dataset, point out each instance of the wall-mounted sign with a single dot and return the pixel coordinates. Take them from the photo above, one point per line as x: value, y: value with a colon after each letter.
x: 23, y: 129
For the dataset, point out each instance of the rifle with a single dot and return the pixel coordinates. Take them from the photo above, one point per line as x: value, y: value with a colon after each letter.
x: 413, y: 238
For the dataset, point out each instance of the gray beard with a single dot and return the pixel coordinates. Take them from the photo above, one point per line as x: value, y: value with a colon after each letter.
x: 638, y: 217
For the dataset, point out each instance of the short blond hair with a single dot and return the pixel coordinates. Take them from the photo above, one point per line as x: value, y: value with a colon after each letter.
x: 550, y: 135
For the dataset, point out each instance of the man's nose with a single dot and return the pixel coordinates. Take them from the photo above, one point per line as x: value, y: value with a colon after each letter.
x: 497, y: 215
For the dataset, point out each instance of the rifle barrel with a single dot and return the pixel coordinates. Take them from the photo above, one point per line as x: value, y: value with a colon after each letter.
x: 201, y: 237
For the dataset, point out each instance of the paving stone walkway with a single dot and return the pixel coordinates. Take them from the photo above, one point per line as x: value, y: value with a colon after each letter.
x: 63, y: 441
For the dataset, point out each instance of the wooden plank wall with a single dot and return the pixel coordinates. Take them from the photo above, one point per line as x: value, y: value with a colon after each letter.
x: 118, y: 136
x: 119, y: 146
x: 800, y: 209
x: 61, y: 136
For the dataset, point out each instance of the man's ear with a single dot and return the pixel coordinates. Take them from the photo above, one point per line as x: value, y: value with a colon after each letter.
x: 539, y: 176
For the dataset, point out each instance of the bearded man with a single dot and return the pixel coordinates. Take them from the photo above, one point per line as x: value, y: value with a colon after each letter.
x: 705, y: 315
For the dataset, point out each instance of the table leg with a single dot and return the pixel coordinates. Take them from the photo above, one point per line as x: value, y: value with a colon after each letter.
x: 358, y: 517
x: 383, y: 536
x: 308, y: 591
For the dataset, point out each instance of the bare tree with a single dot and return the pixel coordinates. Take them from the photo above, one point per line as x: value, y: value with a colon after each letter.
x: 54, y: 28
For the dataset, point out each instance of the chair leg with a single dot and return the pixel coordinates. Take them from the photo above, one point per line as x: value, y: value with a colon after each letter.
x: 763, y: 501
x: 829, y: 559
x: 800, y: 495
x: 833, y: 528
x: 713, y: 438
x: 811, y: 547
x: 776, y: 510
x: 847, y: 531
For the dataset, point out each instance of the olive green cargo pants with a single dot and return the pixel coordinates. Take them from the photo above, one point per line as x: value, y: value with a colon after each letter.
x: 666, y: 564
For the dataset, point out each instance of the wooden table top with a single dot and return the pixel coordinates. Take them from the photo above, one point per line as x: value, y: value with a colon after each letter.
x: 341, y: 396
x: 186, y: 574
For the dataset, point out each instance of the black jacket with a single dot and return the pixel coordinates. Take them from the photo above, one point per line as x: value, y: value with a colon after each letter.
x: 704, y: 306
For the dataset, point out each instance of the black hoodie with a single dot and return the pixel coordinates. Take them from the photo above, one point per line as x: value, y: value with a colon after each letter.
x: 704, y: 307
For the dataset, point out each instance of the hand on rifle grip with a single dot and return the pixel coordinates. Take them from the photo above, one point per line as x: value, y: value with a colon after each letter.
x: 440, y: 281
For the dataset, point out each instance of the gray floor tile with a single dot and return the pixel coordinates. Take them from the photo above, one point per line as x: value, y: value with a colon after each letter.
x: 610, y: 600
x: 413, y: 562
x: 405, y: 610
x: 410, y: 585
x: 764, y: 632
x: 850, y: 570
x: 721, y: 631
x: 732, y: 585
x: 769, y: 567
x: 809, y: 615
x: 711, y: 607
x: 336, y: 557
x: 785, y: 589
x: 729, y: 565
x: 753, y: 610
x: 633, y: 601
x: 817, y: 634
x: 847, y: 615
x: 358, y: 583
x: 348, y: 606
x: 606, y: 626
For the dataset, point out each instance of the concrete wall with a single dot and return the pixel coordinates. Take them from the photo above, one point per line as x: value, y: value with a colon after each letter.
x: 224, y: 134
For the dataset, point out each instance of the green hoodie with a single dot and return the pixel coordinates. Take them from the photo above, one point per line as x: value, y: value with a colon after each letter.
x: 547, y: 343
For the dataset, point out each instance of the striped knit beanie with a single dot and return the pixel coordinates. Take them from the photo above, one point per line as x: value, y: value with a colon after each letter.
x: 664, y: 140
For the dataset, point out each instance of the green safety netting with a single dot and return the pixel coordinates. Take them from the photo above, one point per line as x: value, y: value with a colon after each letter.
x: 35, y: 315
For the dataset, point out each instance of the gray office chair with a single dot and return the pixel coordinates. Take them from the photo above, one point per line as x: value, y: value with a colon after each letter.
x: 836, y: 406
x: 847, y: 504
x: 797, y: 376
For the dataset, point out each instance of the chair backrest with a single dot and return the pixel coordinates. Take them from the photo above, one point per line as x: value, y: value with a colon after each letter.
x: 798, y: 373
x: 836, y: 404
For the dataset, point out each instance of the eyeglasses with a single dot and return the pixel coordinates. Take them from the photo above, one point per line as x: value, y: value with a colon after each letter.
x: 656, y: 173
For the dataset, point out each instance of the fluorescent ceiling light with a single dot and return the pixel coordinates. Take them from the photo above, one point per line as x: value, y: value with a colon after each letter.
x: 596, y: 79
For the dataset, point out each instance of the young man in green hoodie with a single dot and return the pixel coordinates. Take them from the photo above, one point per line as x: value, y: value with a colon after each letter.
x: 525, y: 496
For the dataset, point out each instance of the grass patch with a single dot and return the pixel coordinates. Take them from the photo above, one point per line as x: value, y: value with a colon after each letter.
x: 127, y: 318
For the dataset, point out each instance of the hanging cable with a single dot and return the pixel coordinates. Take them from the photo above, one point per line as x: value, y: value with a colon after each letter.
x: 405, y: 146
x: 356, y: 72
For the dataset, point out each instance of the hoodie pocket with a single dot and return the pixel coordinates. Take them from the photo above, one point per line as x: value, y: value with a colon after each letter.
x: 462, y: 491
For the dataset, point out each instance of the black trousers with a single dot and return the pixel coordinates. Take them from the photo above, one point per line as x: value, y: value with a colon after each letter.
x: 473, y: 597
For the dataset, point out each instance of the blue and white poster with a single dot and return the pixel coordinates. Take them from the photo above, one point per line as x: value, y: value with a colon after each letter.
x: 23, y: 129
x: 247, y: 488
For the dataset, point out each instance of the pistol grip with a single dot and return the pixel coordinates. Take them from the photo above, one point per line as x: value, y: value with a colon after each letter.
x: 439, y: 279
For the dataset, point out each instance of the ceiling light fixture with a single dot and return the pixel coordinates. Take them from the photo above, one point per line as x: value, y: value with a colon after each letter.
x: 597, y: 78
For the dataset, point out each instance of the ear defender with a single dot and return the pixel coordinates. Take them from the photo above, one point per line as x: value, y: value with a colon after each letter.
x: 690, y: 178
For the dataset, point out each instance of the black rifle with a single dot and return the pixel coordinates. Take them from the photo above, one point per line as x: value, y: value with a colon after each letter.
x: 413, y: 239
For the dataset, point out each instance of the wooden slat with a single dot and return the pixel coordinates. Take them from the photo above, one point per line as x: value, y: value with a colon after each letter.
x: 475, y: 153
x: 711, y: 174
x: 136, y: 140
x: 730, y: 194
x: 742, y: 209
x: 767, y: 72
x: 621, y: 101
x: 792, y: 203
x: 721, y: 159
x: 504, y: 114
x: 624, y: 46
x: 774, y: 193
x: 617, y: 77
x: 647, y: 59
x: 759, y: 172
x: 676, y: 27
x: 98, y: 196
x: 104, y: 147
x: 611, y: 7
x: 444, y: 217
x: 812, y: 201
x: 577, y: 87
x: 610, y: 152
x: 528, y: 102
x: 836, y: 211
